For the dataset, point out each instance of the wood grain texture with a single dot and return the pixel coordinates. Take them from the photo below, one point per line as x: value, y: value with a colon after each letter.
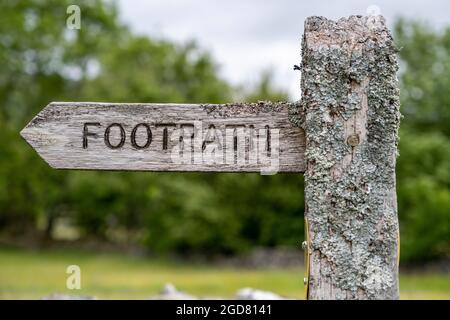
x: 113, y: 136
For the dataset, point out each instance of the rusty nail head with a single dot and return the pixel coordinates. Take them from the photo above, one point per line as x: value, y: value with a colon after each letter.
x: 353, y: 140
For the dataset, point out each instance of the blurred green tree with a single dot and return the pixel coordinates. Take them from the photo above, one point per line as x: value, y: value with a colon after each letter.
x: 423, y: 169
x: 40, y: 61
x: 425, y: 76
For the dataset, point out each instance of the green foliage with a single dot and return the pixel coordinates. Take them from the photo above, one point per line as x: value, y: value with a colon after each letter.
x: 423, y: 181
x: 142, y: 70
x: 425, y: 76
x: 423, y: 169
x: 263, y: 90
x: 226, y: 212
x: 38, y: 60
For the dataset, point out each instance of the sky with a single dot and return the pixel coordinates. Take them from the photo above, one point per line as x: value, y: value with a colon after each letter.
x: 248, y: 37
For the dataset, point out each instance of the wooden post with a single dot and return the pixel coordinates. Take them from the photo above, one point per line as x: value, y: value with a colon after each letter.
x: 350, y: 104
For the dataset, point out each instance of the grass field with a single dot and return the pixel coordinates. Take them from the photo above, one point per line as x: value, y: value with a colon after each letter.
x: 31, y: 275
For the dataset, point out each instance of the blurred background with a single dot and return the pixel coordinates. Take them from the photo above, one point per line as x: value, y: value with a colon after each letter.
x: 208, y: 234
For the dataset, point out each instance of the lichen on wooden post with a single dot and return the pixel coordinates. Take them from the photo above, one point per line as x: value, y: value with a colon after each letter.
x: 350, y: 103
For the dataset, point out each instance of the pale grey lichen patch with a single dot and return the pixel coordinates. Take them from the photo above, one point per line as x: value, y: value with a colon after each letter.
x: 233, y: 109
x: 350, y: 190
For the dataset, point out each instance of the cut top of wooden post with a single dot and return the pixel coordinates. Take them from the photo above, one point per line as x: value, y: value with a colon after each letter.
x: 251, y: 137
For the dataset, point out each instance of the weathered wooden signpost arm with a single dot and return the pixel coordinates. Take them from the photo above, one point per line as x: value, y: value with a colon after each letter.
x: 350, y: 102
x: 234, y: 137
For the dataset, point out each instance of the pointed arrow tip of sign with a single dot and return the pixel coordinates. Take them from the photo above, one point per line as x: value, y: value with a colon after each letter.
x: 29, y: 135
x: 35, y: 134
x: 25, y: 134
x: 30, y: 130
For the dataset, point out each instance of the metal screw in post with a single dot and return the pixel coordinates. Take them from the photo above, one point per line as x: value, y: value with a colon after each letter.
x: 304, y: 245
x: 305, y: 248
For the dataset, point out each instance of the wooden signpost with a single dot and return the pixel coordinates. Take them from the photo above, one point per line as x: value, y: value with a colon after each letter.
x: 254, y: 137
x: 342, y: 135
